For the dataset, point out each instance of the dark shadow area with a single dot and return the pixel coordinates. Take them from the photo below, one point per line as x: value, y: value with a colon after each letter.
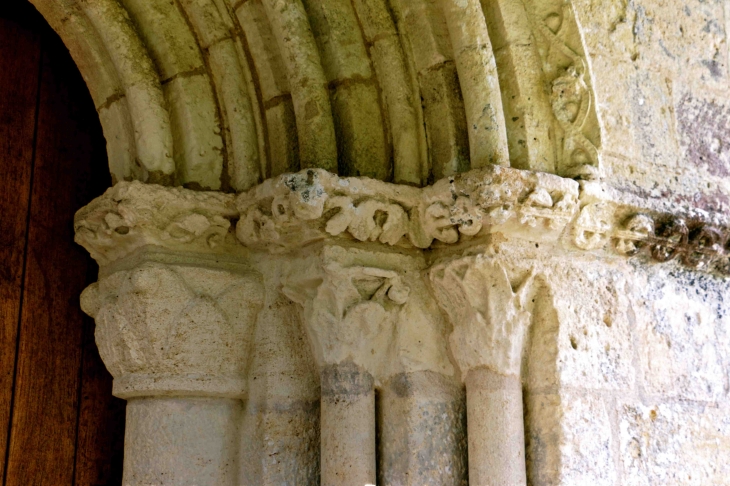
x: 59, y: 424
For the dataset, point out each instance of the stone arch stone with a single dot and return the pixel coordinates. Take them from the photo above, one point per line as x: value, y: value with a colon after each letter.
x: 221, y: 94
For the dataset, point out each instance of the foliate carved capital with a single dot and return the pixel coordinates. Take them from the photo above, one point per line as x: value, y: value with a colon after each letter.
x: 369, y: 309
x: 294, y: 209
x: 175, y: 329
x: 489, y: 318
x: 131, y: 215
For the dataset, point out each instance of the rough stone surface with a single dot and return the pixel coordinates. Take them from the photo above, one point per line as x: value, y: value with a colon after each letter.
x: 674, y: 443
x: 181, y: 441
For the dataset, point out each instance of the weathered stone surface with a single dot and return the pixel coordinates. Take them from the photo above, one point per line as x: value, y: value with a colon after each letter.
x: 704, y: 123
x: 674, y: 443
x: 175, y: 330
x: 181, y: 441
x: 683, y: 339
x: 624, y: 364
x: 132, y: 215
x: 595, y: 343
x: 587, y: 444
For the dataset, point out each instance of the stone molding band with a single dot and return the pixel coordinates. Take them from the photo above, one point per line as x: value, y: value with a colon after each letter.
x: 288, y: 212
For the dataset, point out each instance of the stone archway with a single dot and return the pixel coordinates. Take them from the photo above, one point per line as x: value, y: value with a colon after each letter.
x: 221, y: 94
x: 319, y: 202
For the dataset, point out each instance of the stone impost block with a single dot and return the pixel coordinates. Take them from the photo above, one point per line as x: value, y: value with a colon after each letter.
x: 132, y: 215
x: 287, y: 212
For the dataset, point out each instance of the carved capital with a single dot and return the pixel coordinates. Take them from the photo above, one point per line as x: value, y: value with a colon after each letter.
x: 295, y: 209
x: 489, y: 318
x: 368, y: 308
x: 131, y: 215
x: 175, y: 329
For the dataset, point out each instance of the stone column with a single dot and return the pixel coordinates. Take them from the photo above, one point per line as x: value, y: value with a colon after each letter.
x: 349, y: 311
x: 175, y: 309
x: 490, y: 325
x: 372, y: 323
x: 422, y: 426
x: 176, y: 339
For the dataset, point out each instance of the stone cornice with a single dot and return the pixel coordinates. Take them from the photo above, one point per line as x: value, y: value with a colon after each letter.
x: 288, y: 212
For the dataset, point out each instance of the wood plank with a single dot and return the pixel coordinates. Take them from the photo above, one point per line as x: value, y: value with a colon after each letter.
x: 70, y: 169
x: 100, y: 449
x: 20, y: 48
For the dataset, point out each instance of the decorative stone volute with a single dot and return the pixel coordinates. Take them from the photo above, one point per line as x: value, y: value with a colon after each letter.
x: 490, y: 319
x: 371, y: 309
x: 175, y: 329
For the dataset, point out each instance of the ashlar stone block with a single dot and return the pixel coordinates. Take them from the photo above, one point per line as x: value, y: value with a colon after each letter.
x: 595, y: 349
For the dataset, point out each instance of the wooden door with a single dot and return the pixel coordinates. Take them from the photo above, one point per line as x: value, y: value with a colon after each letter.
x: 59, y: 424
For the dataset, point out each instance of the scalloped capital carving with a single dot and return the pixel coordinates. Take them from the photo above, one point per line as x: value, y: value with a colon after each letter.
x: 489, y: 317
x: 175, y: 329
x: 370, y: 309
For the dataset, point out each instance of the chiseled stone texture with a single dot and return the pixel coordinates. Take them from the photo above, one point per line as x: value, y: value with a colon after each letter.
x: 587, y: 451
x: 595, y: 342
x: 641, y: 386
x: 660, y: 71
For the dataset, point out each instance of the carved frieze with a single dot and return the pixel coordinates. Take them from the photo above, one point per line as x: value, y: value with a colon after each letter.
x: 295, y: 209
x: 629, y: 231
x: 286, y: 213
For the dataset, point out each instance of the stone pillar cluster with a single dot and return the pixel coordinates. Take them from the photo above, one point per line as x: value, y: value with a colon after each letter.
x: 340, y: 331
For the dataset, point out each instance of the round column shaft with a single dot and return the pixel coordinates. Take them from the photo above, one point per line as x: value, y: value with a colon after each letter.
x: 181, y: 441
x: 495, y: 429
x: 348, y: 426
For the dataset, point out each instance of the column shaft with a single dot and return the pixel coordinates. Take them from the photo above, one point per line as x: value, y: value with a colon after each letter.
x: 422, y: 425
x: 181, y: 441
x: 495, y: 427
x: 347, y: 426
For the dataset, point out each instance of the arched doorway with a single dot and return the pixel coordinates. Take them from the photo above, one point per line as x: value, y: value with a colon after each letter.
x: 59, y: 424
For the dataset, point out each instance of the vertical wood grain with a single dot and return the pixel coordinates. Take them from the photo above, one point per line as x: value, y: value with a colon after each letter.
x: 100, y: 444
x: 20, y: 48
x: 70, y: 169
